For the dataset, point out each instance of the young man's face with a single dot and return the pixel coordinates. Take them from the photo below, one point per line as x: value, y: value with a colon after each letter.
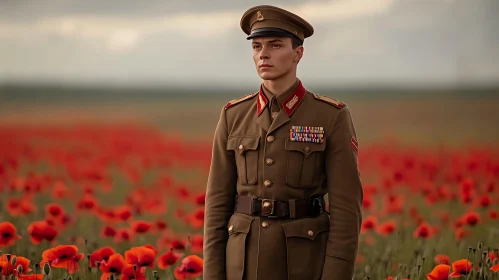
x: 275, y: 57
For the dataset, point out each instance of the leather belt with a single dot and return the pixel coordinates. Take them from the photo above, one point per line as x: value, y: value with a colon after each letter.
x: 293, y: 208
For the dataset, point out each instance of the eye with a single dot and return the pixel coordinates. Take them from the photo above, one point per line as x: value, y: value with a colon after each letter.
x: 256, y: 47
x: 276, y: 45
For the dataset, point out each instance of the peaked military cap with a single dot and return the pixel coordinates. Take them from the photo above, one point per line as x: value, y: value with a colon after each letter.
x: 267, y: 20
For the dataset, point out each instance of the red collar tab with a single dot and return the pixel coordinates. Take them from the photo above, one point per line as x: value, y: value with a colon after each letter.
x: 261, y: 102
x: 291, y: 103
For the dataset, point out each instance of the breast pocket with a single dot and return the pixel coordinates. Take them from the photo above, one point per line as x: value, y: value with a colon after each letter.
x: 305, y: 163
x: 246, y: 152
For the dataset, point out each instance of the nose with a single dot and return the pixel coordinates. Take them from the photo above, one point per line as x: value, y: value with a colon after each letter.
x: 264, y: 54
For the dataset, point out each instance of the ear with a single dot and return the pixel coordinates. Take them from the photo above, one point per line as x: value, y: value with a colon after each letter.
x: 298, y: 54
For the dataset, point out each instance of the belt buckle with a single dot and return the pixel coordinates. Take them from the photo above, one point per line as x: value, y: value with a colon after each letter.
x: 267, y: 207
x: 317, y: 204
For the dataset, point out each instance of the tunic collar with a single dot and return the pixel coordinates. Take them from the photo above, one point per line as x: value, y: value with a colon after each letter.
x: 288, y: 100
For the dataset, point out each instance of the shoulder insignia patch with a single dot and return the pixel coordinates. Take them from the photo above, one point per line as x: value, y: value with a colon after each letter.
x: 338, y: 104
x: 239, y: 99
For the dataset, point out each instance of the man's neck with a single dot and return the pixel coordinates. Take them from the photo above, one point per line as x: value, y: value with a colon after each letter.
x: 277, y: 87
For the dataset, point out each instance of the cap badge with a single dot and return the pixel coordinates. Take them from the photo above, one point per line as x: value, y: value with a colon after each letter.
x: 311, y: 134
x: 259, y: 16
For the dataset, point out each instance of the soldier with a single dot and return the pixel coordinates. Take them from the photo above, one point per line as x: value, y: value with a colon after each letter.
x: 276, y: 154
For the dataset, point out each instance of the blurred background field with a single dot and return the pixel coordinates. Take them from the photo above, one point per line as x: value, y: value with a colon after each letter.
x: 429, y: 117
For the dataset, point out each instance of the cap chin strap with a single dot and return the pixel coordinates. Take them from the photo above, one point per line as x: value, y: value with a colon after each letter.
x: 272, y: 32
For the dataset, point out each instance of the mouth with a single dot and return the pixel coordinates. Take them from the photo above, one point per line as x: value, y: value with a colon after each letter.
x: 265, y: 65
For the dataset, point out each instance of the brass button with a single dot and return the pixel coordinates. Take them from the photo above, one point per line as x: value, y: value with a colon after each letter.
x: 231, y: 228
x: 267, y: 183
x: 270, y: 139
x: 265, y: 224
x: 269, y: 161
x: 307, y: 149
x: 310, y: 233
x: 241, y: 147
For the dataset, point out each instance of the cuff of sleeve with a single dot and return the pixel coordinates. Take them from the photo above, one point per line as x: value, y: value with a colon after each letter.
x: 337, y: 269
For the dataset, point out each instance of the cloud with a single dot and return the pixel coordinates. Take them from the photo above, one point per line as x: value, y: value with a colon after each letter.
x: 122, y: 33
x: 123, y: 40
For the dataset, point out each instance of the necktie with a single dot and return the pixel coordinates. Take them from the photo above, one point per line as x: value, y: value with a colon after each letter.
x: 274, y: 108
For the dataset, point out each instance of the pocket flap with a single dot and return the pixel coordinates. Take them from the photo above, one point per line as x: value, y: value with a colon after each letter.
x: 239, y: 223
x: 305, y: 147
x: 307, y: 227
x: 242, y: 144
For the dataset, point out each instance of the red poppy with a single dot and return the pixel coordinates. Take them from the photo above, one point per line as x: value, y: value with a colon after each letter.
x: 129, y: 273
x: 461, y: 267
x: 196, y: 219
x: 154, y: 205
x: 442, y: 259
x: 495, y: 268
x: 122, y: 235
x: 394, y: 204
x: 492, y: 256
x: 386, y: 228
x: 60, y: 191
x: 40, y: 231
x: 197, y: 243
x: 439, y: 272
x: 484, y: 201
x: 200, y: 199
x: 493, y: 214
x: 424, y: 230
x: 183, y: 192
x: 123, y: 213
x: 53, y: 210
x: 191, y: 267
x: 20, y: 207
x: 87, y: 202
x: 108, y: 231
x: 151, y: 247
x: 62, y: 256
x: 31, y: 277
x: 471, y: 218
x: 160, y: 225
x: 140, y: 227
x: 140, y: 256
x: 367, y: 202
x: 369, y: 223
x: 168, y: 259
x: 101, y: 254
x: 177, y: 244
x: 8, y: 234
x: 461, y: 233
x: 115, y: 264
x: 7, y: 268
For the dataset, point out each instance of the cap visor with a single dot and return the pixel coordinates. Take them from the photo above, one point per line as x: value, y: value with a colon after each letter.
x: 270, y: 32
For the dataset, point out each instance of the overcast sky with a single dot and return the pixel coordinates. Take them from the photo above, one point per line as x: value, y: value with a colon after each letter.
x: 196, y: 42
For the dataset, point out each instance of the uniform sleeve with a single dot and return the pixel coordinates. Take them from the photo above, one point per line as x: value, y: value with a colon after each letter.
x: 345, y: 199
x: 220, y: 193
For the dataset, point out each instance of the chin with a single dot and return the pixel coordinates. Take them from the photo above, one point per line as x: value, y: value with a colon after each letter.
x: 268, y: 76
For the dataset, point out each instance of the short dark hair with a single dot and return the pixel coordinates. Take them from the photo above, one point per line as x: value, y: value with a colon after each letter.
x: 295, y: 42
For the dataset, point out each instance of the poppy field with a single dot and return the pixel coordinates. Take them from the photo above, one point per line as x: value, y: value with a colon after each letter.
x: 125, y: 200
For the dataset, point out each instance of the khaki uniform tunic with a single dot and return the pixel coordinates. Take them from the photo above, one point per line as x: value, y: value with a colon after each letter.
x: 254, y: 156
